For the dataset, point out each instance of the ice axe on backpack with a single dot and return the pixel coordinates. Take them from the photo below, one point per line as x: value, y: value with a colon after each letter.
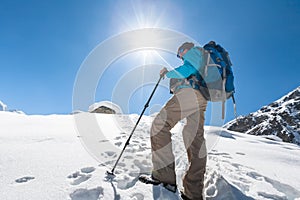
x: 111, y: 173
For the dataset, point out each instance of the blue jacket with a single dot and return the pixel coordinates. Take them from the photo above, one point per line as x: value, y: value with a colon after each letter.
x: 192, y: 62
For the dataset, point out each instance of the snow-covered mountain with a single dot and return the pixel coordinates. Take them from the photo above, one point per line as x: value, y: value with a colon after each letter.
x: 3, y: 107
x: 42, y: 157
x: 280, y: 118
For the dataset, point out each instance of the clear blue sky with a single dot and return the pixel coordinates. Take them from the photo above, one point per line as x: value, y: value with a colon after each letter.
x: 43, y: 43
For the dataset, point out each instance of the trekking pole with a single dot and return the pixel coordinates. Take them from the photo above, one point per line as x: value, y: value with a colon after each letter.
x: 127, y: 142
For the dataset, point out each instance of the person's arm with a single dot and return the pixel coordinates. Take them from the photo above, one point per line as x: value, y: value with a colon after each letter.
x: 184, y: 71
x: 192, y: 62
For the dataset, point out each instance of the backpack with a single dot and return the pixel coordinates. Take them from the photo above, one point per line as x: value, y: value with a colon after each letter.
x: 216, y: 77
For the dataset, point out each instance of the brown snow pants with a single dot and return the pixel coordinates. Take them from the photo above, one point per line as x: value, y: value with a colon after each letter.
x: 190, y: 104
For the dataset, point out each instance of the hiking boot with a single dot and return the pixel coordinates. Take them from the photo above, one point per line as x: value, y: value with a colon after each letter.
x: 184, y: 197
x: 170, y: 187
x: 151, y: 180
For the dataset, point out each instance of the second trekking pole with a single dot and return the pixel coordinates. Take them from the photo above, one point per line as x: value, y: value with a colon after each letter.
x: 127, y: 142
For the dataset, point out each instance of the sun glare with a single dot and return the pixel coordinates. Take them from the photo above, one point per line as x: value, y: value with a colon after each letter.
x: 141, y: 14
x: 146, y: 55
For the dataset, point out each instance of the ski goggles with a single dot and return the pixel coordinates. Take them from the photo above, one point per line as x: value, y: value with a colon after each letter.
x: 179, y: 52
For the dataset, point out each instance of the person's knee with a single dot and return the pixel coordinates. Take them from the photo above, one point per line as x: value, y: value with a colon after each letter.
x: 161, y: 124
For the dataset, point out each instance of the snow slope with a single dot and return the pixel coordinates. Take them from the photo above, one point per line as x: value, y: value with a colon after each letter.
x: 42, y: 157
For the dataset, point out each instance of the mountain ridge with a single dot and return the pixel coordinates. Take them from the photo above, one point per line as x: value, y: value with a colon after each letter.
x: 280, y: 118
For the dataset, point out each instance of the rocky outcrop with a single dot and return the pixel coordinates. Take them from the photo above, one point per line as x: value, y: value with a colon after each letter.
x: 280, y: 118
x: 105, y: 107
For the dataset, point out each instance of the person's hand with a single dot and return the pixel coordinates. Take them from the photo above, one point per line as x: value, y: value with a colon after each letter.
x: 163, y: 72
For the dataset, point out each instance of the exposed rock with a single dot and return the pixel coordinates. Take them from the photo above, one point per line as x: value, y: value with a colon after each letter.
x: 104, y: 109
x: 280, y: 118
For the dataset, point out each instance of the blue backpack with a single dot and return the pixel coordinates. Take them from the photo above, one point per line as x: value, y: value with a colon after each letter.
x: 216, y: 77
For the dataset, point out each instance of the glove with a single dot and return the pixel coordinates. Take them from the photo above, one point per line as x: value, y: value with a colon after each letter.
x: 163, y: 72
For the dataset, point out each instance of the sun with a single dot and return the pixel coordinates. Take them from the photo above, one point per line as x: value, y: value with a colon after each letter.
x: 135, y: 14
x: 146, y: 55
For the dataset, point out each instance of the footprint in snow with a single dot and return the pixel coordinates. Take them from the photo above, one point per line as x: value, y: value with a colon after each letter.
x: 87, y: 170
x: 128, y: 157
x: 229, y: 157
x: 103, y: 141
x: 83, y: 194
x: 215, y: 153
x: 24, y: 179
x: 74, y: 175
x: 118, y: 144
x: 119, y: 137
x: 79, y: 178
x: 137, y: 196
x: 110, y: 153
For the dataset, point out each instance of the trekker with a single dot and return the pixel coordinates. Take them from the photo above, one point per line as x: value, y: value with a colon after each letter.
x: 186, y: 102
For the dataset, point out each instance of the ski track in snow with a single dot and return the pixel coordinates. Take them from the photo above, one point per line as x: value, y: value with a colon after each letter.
x: 226, y: 178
